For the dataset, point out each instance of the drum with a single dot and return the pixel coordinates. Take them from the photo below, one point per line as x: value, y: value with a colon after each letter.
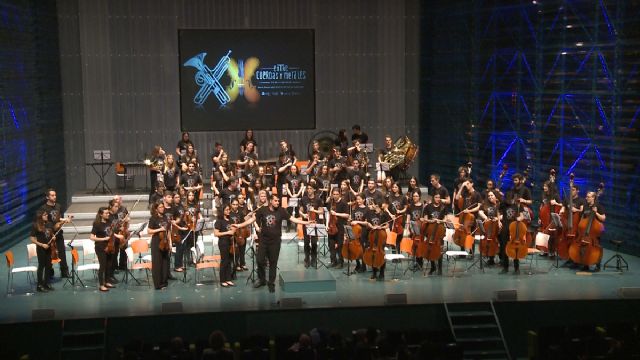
x: 542, y: 242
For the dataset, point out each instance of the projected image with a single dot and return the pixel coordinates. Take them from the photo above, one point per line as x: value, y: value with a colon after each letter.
x: 240, y: 79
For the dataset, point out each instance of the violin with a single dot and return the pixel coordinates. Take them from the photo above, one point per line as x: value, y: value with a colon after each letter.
x: 53, y: 246
x: 398, y: 223
x: 570, y: 222
x: 111, y: 243
x: 587, y: 251
x: 163, y: 243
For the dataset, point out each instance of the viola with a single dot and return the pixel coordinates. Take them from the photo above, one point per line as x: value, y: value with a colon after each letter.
x: 587, y: 251
x: 163, y: 243
x: 111, y: 243
x: 489, y: 242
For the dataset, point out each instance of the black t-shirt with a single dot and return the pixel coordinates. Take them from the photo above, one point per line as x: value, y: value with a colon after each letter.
x: 396, y: 202
x: 416, y: 211
x: 362, y: 137
x: 356, y: 177
x: 247, y: 155
x: 435, y: 212
x: 41, y: 236
x: 375, y: 218
x: 245, y: 141
x: 587, y: 210
x: 511, y: 206
x: 54, y: 213
x: 444, y: 193
x: 471, y: 200
x: 307, y: 203
x: 235, y: 217
x: 270, y: 223
x: 101, y: 230
x: 376, y: 196
x: 359, y: 213
x: 341, y: 163
x: 171, y: 177
x: 490, y: 210
x: 227, y: 195
x: 341, y: 208
x: 190, y: 180
x: 295, y: 183
x: 223, y: 225
x: 216, y: 154
x: 577, y: 202
x: 182, y: 145
x: 156, y: 222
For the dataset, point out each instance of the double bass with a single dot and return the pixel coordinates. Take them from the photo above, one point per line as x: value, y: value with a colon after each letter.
x: 587, y: 250
x: 546, y: 209
x: 570, y: 222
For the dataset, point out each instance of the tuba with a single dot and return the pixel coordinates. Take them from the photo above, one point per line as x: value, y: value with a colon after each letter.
x: 401, y: 154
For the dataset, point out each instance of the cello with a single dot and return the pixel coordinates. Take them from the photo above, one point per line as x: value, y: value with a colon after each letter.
x: 352, y: 248
x: 546, y: 209
x: 517, y: 245
x: 489, y: 242
x: 434, y: 232
x: 570, y: 222
x: 374, y: 255
x: 462, y: 235
x: 587, y: 251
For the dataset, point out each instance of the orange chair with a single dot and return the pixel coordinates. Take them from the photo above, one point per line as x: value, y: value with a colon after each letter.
x: 14, y: 270
x: 138, y: 247
x: 202, y: 261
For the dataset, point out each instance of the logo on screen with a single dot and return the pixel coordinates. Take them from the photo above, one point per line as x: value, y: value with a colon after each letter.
x: 241, y: 73
x: 209, y: 79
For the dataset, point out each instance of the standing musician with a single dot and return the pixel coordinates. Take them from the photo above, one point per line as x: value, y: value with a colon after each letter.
x: 359, y: 217
x: 181, y: 148
x: 191, y: 180
x: 179, y: 212
x: 337, y: 165
x: 216, y: 157
x: 491, y: 210
x: 346, y: 194
x: 396, y: 207
x: 192, y: 207
x: 372, y: 195
x: 359, y: 135
x: 311, y: 207
x: 339, y: 209
x: 159, y: 258
x: 472, y: 202
x: 550, y: 197
x: 386, y: 185
x: 356, y: 177
x: 156, y: 164
x: 323, y: 182
x: 459, y: 188
x: 171, y: 173
x: 229, y: 193
x: 236, y: 216
x: 436, y: 210
x: 316, y: 159
x: 269, y: 221
x: 225, y: 232
x: 286, y: 159
x: 375, y: 219
x: 248, y: 138
x: 415, y: 210
x: 599, y: 215
x: 342, y: 143
x: 295, y: 186
x: 169, y: 219
x: 243, y: 209
x: 356, y: 152
x: 55, y: 220
x: 115, y: 224
x: 515, y: 206
x: 437, y: 188
x: 388, y: 148
x: 413, y: 187
x: 578, y: 206
x: 190, y: 156
x: 100, y: 234
x: 40, y: 235
x: 248, y: 176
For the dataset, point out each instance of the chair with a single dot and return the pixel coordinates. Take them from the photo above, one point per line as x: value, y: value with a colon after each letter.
x: 85, y: 267
x: 134, y: 265
x: 531, y: 255
x: 121, y: 172
x: 14, y: 270
x: 89, y: 248
x: 202, y: 261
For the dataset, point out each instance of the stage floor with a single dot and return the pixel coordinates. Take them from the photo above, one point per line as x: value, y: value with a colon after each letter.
x: 545, y: 283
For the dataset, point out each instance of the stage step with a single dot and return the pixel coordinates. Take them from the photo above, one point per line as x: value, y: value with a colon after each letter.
x: 307, y: 281
x: 83, y: 339
x: 476, y: 329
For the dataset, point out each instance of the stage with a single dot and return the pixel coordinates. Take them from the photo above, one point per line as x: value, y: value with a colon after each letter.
x: 311, y: 297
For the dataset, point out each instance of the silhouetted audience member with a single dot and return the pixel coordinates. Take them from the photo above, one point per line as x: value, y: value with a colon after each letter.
x: 302, y: 349
x: 217, y: 349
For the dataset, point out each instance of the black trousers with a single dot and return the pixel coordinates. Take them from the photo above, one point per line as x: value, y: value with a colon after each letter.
x: 103, y: 260
x: 240, y: 254
x: 159, y: 264
x: 335, y: 246
x: 62, y: 254
x: 44, y: 265
x: 310, y: 246
x: 225, y: 260
x: 268, y: 250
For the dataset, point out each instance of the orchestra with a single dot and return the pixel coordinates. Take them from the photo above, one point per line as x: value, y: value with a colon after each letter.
x: 360, y: 208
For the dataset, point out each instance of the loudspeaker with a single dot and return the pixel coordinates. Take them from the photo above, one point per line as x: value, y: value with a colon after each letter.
x: 629, y: 292
x: 290, y: 303
x: 505, y: 295
x: 172, y: 307
x: 42, y: 314
x: 395, y: 299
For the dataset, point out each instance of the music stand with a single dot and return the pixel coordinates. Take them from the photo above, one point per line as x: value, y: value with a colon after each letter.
x: 415, y: 229
x: 382, y: 166
x: 128, y: 273
x: 74, y: 272
x: 479, y: 226
x: 348, y: 231
x: 368, y: 147
x: 251, y: 243
x: 317, y: 230
x: 101, y: 155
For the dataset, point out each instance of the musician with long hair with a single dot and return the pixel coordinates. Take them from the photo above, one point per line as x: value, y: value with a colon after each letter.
x: 491, y: 210
x: 40, y: 236
x: 100, y: 234
x: 159, y: 258
x: 171, y: 173
x: 156, y: 164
